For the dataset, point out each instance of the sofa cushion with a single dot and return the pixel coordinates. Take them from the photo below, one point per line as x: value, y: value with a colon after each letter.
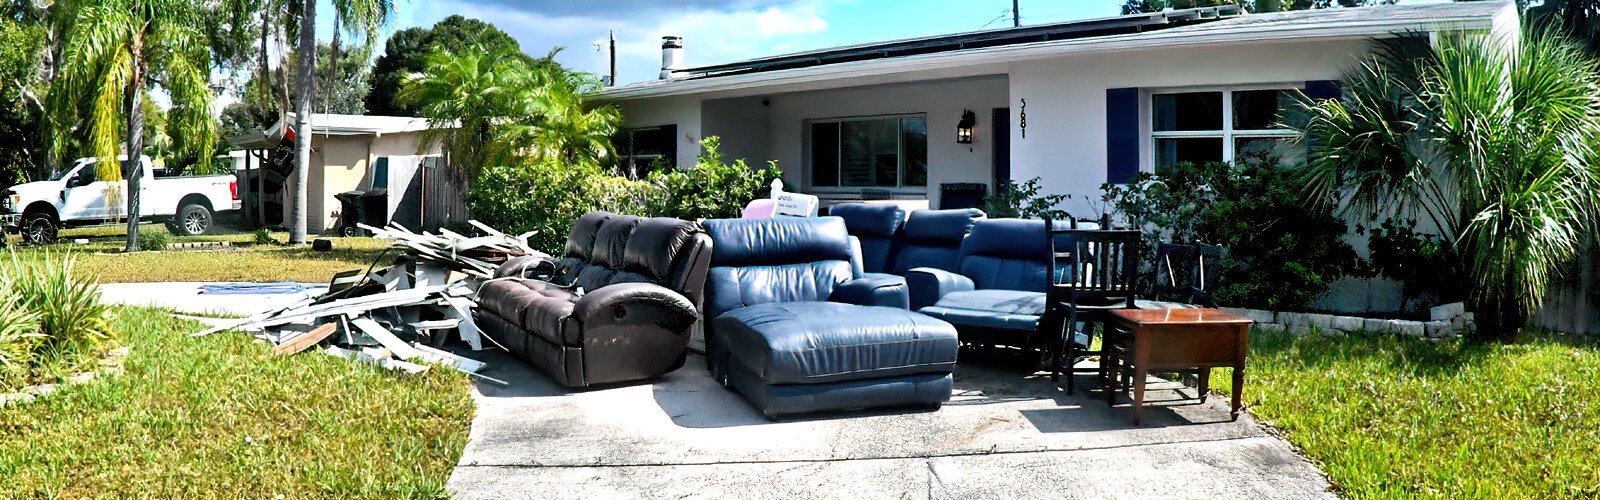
x: 510, y: 297
x: 546, y: 317
x: 1000, y: 309
x: 654, y: 246
x: 822, y: 342
x: 875, y: 226
x: 775, y: 242
x: 1006, y: 254
x: 580, y: 240
x: 756, y: 261
x: 729, y: 288
x: 611, y: 243
x: 932, y: 238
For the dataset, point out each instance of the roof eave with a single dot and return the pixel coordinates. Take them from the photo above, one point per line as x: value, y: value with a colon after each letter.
x: 1199, y: 35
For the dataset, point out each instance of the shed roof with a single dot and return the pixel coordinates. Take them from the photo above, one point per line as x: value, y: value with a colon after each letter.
x: 327, y: 124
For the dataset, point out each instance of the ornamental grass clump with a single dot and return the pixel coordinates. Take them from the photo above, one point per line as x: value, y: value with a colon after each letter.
x: 48, y: 313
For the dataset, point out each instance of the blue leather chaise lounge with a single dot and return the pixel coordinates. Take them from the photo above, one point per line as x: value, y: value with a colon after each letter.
x: 792, y: 329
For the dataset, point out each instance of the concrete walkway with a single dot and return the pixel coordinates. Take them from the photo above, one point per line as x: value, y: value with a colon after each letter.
x: 1004, y: 435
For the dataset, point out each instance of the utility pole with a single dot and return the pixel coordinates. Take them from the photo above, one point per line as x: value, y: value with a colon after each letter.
x: 612, y: 34
x: 1016, y: 14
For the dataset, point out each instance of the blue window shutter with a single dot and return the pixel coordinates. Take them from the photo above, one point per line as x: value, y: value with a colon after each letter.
x: 1122, y: 135
x: 1322, y: 90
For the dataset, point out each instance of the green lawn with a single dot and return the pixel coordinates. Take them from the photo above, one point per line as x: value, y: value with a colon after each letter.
x: 1397, y: 418
x: 247, y: 261
x: 218, y: 417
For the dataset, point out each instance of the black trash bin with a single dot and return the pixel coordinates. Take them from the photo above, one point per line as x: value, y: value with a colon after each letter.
x: 365, y: 207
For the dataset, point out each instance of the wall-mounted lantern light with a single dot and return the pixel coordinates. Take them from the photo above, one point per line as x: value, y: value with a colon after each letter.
x: 964, y: 128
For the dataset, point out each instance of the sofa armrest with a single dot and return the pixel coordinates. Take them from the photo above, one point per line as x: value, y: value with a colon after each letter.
x: 873, y: 290
x: 928, y: 284
x: 635, y: 303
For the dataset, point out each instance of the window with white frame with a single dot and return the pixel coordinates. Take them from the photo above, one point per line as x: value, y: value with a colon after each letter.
x: 1220, y: 125
x: 870, y: 152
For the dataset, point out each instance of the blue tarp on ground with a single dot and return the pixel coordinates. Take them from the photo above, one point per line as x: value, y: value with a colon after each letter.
x: 286, y: 287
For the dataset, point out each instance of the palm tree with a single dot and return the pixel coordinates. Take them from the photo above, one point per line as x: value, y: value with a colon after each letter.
x: 468, y: 98
x: 494, y: 107
x: 1492, y: 140
x: 354, y: 17
x: 115, y: 51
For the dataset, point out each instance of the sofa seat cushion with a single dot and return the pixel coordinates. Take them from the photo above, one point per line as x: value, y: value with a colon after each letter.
x: 547, y: 318
x: 1000, y: 309
x: 510, y: 298
x: 823, y: 342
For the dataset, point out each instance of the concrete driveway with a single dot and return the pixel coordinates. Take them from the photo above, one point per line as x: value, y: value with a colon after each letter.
x: 1005, y: 434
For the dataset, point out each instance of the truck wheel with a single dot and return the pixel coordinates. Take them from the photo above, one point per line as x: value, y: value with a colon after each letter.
x: 40, y: 229
x: 193, y: 220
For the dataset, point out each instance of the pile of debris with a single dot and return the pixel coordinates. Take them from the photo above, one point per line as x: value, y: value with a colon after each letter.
x: 399, y: 315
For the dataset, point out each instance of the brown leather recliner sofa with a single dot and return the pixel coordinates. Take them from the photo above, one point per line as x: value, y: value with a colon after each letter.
x: 618, y: 307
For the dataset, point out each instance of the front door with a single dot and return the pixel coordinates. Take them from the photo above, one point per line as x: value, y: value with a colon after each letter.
x: 1002, y: 147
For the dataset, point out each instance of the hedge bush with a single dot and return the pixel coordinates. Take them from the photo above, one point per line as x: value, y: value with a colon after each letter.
x: 546, y: 198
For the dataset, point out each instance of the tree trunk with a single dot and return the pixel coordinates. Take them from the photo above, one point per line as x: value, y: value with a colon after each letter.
x: 132, y: 170
x: 302, y: 139
x: 333, y: 59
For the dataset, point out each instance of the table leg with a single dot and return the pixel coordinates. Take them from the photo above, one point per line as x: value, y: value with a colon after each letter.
x: 1238, y: 389
x: 1205, y: 383
x: 1241, y: 350
x: 1141, y: 360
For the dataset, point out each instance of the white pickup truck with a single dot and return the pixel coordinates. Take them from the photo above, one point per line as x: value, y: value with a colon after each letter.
x: 75, y: 197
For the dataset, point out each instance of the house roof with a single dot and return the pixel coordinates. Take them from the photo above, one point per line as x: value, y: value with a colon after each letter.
x: 985, y: 52
x: 326, y: 124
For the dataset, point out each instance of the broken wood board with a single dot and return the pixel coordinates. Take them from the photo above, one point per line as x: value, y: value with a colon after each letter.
x: 399, y: 347
x: 306, y: 340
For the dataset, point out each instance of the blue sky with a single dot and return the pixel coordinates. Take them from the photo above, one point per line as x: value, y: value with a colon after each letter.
x: 717, y: 31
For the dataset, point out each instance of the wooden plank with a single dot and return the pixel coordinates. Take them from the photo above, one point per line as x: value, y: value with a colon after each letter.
x: 400, y: 349
x: 306, y: 340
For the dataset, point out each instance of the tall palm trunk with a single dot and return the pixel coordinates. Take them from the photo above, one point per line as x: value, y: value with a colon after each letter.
x: 302, y: 139
x: 132, y: 170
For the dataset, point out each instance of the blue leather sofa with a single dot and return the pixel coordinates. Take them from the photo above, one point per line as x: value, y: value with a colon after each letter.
x: 792, y: 328
x: 893, y: 243
x: 996, y: 294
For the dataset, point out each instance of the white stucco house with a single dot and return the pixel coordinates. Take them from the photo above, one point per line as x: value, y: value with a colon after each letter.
x: 1076, y: 104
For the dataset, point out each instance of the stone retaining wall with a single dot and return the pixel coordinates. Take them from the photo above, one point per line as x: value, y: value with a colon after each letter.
x: 1446, y: 321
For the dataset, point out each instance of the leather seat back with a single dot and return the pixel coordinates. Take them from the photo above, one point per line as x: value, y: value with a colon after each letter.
x: 669, y: 252
x: 758, y: 261
x: 606, y: 259
x: 580, y: 247
x: 1006, y: 254
x: 932, y: 238
x: 876, y: 225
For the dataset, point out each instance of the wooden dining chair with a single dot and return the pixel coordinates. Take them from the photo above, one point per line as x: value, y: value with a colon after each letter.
x: 1183, y: 273
x: 1092, y: 271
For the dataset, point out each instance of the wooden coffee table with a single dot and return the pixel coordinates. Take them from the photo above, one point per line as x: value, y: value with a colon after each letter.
x: 1153, y: 340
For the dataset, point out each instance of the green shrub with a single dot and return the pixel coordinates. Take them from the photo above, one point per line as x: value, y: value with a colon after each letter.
x: 1423, y: 263
x: 1023, y: 200
x: 264, y: 237
x: 70, y: 313
x: 154, y: 239
x: 711, y: 188
x: 1281, y: 252
x: 546, y: 198
x: 19, y: 341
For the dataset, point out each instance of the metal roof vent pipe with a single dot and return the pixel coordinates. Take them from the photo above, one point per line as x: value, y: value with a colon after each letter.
x: 671, y: 55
